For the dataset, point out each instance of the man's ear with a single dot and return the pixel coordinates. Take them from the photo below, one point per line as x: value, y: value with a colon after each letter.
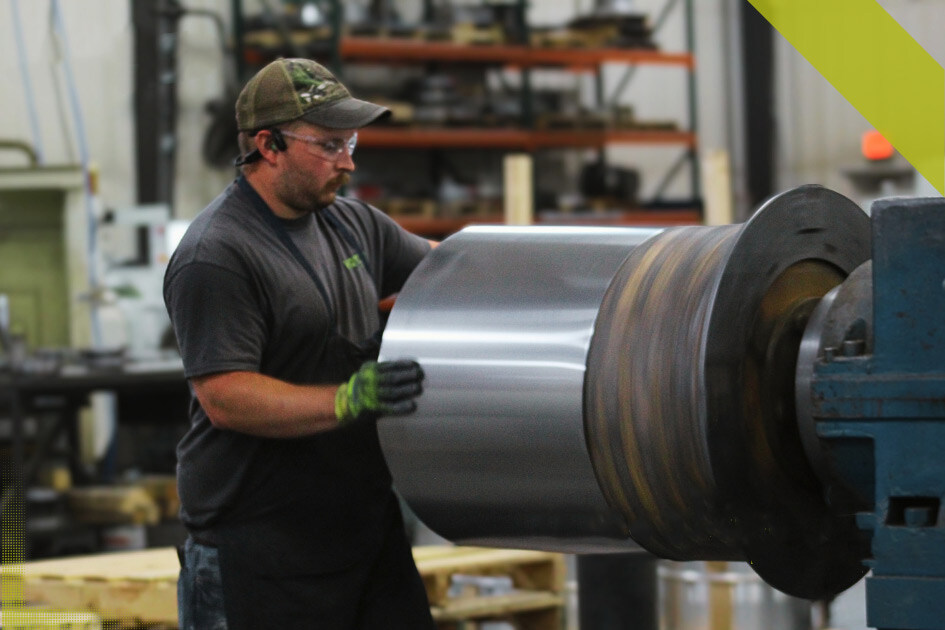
x: 267, y: 145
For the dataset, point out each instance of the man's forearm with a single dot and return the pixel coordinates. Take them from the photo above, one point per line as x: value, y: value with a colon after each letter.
x: 249, y: 402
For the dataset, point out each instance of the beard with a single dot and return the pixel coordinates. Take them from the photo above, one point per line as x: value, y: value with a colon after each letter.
x: 304, y: 194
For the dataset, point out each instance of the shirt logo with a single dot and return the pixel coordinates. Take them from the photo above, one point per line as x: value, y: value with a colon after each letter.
x: 353, y: 262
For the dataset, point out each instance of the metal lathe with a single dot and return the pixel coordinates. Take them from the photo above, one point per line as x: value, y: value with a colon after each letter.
x: 771, y: 392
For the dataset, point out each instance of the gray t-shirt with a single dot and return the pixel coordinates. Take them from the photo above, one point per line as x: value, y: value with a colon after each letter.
x: 240, y: 301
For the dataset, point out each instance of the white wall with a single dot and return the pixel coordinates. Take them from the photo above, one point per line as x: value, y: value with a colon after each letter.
x: 99, y: 38
x: 818, y: 130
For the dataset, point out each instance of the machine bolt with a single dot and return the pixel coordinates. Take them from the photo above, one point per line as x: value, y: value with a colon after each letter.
x: 853, y: 347
x: 829, y: 353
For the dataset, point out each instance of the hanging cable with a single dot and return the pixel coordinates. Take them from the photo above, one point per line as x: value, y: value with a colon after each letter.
x: 79, y: 128
x: 27, y: 84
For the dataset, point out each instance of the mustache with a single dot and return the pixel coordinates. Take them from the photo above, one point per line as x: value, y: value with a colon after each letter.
x: 341, y: 180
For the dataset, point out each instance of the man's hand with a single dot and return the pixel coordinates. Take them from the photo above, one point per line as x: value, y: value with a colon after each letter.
x: 379, y: 389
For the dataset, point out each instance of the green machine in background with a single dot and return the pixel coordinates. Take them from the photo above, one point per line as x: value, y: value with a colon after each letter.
x: 43, y: 255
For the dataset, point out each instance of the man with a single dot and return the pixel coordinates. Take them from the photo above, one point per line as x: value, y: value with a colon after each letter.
x: 273, y: 297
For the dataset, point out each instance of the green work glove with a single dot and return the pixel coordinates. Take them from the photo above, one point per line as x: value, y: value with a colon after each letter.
x: 379, y: 389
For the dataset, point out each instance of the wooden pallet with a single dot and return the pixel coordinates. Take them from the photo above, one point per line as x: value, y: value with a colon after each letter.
x: 430, y: 208
x: 132, y: 587
x: 535, y: 602
x: 467, y: 34
x: 140, y: 587
x: 113, y: 505
x: 402, y: 206
x: 42, y: 618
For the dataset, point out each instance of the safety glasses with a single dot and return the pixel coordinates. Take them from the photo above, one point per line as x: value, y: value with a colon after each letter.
x: 330, y: 149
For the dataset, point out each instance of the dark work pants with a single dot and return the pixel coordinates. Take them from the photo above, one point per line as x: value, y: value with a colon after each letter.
x: 199, y: 589
x: 384, y: 592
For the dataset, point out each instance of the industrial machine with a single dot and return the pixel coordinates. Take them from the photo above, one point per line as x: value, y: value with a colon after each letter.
x: 772, y: 392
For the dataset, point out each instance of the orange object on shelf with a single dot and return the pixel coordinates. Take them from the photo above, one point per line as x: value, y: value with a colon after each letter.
x: 876, y: 147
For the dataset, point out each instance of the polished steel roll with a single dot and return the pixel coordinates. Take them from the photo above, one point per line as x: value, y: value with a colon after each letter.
x: 599, y: 388
x: 501, y: 319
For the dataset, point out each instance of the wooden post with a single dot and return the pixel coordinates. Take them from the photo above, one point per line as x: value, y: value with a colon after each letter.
x: 721, y: 613
x: 519, y: 197
x: 717, y: 188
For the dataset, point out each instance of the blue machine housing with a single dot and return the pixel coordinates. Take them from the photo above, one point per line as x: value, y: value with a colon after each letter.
x: 880, y: 417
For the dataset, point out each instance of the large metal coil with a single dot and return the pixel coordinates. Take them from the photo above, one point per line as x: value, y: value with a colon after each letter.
x: 595, y: 389
x: 501, y: 319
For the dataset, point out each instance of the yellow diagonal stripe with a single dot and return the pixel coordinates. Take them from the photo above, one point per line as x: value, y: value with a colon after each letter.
x: 877, y: 66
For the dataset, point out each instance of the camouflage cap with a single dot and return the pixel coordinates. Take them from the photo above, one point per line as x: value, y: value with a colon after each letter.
x: 291, y: 89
